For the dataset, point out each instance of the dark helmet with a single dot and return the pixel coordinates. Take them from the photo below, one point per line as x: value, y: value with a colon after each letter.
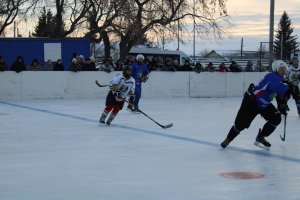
x: 125, y: 69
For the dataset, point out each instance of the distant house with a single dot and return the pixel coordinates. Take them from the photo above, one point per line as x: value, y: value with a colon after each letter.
x: 214, y: 55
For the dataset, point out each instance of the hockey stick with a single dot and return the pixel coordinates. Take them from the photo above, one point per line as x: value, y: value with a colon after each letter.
x: 163, y: 126
x: 99, y: 85
x: 284, y: 129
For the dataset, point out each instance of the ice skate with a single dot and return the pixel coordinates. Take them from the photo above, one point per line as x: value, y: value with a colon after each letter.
x: 225, y: 143
x: 102, y: 119
x: 101, y: 122
x: 130, y: 108
x: 262, y: 143
x: 136, y: 111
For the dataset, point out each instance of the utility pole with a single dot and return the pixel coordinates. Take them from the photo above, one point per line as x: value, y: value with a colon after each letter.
x: 271, y: 34
x: 242, y: 44
x: 260, y: 54
x: 163, y: 30
x: 194, y: 43
x: 178, y: 33
x: 15, y: 28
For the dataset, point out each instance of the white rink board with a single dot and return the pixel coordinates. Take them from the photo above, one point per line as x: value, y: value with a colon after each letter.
x: 10, y: 85
x: 70, y: 85
x: 82, y: 84
x: 207, y: 84
x: 167, y: 84
x: 44, y: 85
x: 235, y: 84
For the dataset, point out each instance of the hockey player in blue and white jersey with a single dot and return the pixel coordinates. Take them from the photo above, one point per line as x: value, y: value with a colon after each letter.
x: 257, y: 100
x: 293, y: 79
x: 121, y: 86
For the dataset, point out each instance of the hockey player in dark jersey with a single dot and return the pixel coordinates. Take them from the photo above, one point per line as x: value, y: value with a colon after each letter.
x: 121, y: 86
x: 257, y: 100
x: 293, y: 78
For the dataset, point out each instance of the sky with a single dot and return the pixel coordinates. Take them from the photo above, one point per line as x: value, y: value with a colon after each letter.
x: 250, y: 21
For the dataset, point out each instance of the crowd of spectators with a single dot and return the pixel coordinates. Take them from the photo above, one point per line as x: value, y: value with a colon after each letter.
x: 79, y: 63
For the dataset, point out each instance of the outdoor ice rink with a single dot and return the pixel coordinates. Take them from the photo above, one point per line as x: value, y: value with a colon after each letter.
x: 55, y: 150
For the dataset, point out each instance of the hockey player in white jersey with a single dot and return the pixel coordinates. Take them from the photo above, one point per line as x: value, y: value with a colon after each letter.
x: 293, y: 78
x: 121, y: 86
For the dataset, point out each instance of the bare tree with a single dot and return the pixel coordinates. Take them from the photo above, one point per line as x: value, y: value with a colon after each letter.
x: 100, y: 17
x: 140, y: 17
x: 77, y: 10
x: 10, y: 9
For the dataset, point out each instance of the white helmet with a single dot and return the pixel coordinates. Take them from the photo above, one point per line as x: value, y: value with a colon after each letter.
x: 278, y: 64
x: 140, y: 56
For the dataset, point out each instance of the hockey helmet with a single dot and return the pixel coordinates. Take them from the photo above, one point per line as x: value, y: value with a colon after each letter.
x: 279, y: 64
x: 140, y: 57
x: 127, y: 68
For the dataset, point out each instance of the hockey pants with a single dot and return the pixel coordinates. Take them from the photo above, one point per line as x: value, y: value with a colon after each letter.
x: 246, y: 114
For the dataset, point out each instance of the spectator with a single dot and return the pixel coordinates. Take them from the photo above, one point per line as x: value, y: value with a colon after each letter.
x: 186, y: 66
x: 234, y: 68
x: 249, y: 66
x: 176, y: 65
x: 119, y: 65
x: 34, y: 65
x: 159, y: 66
x: 154, y: 63
x: 74, y: 55
x: 198, y: 68
x: 48, y: 65
x: 3, y: 65
x: 106, y: 66
x: 129, y: 61
x: 169, y: 67
x: 223, y: 68
x: 88, y: 65
x: 74, y: 67
x: 59, y: 66
x: 210, y: 67
x: 93, y: 63
x: 18, y: 65
x: 81, y: 60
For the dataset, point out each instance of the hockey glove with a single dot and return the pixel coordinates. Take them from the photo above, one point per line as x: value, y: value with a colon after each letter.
x: 145, y: 78
x: 119, y: 99
x: 131, y: 98
x: 283, y: 108
x: 117, y: 95
x: 250, y: 94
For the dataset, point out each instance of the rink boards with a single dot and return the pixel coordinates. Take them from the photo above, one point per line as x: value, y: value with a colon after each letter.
x: 70, y: 85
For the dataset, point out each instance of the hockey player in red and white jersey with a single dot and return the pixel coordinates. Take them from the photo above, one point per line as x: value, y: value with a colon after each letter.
x: 293, y: 78
x: 121, y: 86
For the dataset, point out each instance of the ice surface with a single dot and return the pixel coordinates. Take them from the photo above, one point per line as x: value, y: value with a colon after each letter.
x: 55, y: 150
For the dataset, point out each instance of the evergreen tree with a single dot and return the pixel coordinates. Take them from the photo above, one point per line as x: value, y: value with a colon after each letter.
x: 285, y: 43
x: 47, y: 25
x: 40, y: 28
x: 50, y: 24
x: 59, y: 26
